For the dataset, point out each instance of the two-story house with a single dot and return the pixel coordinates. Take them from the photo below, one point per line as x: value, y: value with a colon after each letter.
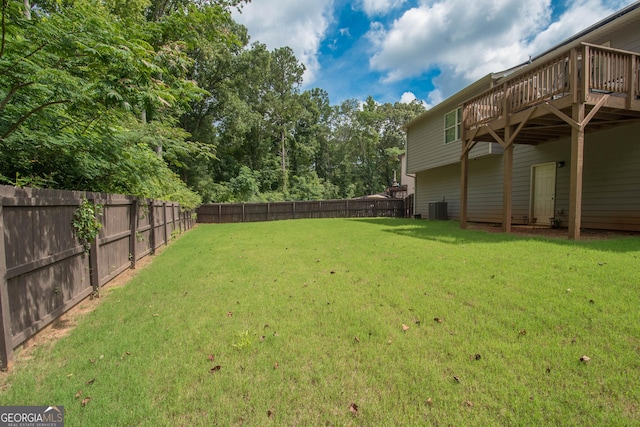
x: 554, y: 141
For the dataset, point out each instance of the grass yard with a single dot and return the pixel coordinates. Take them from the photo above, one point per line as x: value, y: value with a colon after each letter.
x: 355, y: 322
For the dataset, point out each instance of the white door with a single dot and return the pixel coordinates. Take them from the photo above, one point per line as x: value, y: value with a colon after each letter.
x: 543, y: 193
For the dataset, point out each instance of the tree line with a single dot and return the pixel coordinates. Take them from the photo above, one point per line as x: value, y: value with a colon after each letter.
x: 168, y: 99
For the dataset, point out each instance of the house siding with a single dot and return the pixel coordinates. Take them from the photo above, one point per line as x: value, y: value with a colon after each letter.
x: 435, y: 184
x: 611, y: 173
x: 422, y: 155
x: 625, y: 38
x: 426, y: 148
x: 611, y: 188
x: 611, y: 182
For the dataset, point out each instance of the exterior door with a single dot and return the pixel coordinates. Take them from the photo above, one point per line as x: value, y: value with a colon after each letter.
x: 543, y: 193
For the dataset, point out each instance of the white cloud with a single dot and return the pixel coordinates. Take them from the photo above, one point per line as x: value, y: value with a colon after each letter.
x: 407, y: 98
x: 578, y: 16
x: 472, y: 38
x: 467, y: 40
x: 434, y: 98
x: 297, y: 24
x: 379, y: 7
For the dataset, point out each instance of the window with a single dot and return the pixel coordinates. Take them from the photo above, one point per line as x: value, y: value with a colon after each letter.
x: 452, y: 125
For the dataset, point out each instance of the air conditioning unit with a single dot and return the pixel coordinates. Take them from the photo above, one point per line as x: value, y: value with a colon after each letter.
x: 438, y: 211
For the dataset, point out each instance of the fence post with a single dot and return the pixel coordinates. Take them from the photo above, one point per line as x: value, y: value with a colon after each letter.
x: 133, y: 226
x: 165, y: 222
x: 6, y: 342
x: 152, y: 221
x: 94, y: 266
x: 293, y: 208
x: 173, y: 217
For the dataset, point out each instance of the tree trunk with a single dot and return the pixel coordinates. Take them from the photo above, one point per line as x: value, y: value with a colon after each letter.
x: 27, y: 9
x: 283, y: 160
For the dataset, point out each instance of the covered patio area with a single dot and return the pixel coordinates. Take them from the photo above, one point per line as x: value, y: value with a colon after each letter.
x: 579, y: 91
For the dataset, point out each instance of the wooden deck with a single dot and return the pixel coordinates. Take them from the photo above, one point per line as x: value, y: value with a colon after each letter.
x: 583, y: 89
x: 541, y: 99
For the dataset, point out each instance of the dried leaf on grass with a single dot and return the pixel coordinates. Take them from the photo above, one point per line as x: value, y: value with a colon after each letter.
x: 91, y: 381
x: 585, y: 359
x: 353, y: 408
x: 85, y: 401
x: 215, y: 369
x: 78, y: 394
x: 270, y: 413
x: 405, y: 328
x: 438, y: 320
x: 211, y: 357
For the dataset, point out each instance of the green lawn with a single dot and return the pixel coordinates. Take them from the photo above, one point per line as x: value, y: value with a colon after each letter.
x: 414, y: 322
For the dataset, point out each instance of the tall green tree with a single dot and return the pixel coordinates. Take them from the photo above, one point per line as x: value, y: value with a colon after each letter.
x: 73, y: 82
x: 283, y: 108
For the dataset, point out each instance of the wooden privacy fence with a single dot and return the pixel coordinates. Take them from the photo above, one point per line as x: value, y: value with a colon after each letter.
x: 255, y: 212
x: 44, y: 270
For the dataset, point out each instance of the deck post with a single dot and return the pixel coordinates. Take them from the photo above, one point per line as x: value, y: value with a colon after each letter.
x: 507, y: 180
x: 577, y: 161
x: 464, y: 166
x: 464, y: 172
x: 507, y: 186
x: 632, y: 72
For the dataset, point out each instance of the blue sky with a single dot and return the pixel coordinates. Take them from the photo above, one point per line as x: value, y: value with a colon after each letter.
x: 399, y: 50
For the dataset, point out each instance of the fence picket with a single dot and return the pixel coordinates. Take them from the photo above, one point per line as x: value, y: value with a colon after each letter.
x: 43, y: 268
x: 274, y: 211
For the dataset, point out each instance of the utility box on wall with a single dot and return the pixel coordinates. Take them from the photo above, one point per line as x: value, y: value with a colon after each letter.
x: 438, y: 211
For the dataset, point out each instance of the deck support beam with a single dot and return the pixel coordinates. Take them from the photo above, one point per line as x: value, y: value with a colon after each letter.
x: 464, y: 171
x: 464, y: 181
x: 577, y: 163
x: 507, y: 182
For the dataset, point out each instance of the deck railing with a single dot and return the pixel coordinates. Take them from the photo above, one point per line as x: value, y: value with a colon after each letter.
x: 610, y: 71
